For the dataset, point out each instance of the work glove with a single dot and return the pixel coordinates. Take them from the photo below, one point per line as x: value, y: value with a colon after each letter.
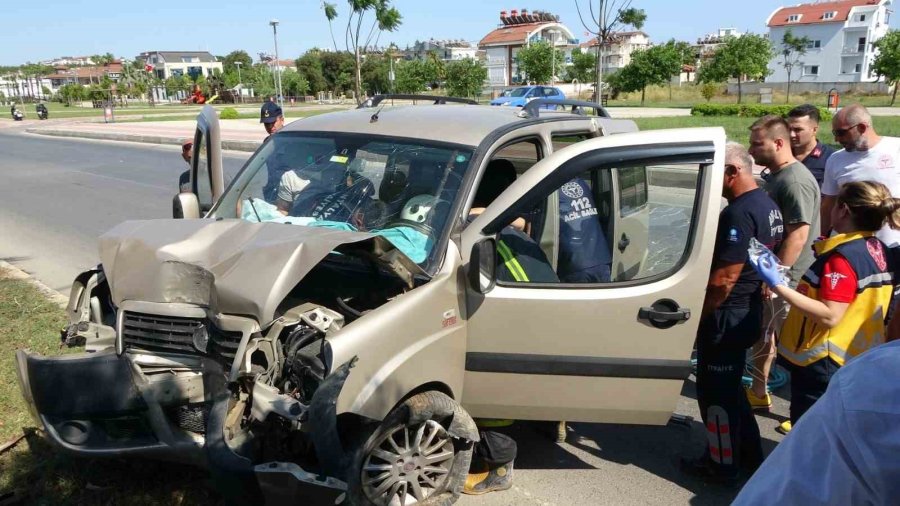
x: 768, y: 269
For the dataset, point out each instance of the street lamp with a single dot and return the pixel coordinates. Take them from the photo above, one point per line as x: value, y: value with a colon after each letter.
x: 274, y: 24
x: 240, y: 85
x: 553, y: 53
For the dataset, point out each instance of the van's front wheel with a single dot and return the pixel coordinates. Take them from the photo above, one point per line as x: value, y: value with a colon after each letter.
x: 411, y: 458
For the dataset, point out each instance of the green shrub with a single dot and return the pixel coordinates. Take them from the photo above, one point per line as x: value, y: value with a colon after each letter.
x: 229, y: 113
x: 749, y: 110
x: 709, y: 90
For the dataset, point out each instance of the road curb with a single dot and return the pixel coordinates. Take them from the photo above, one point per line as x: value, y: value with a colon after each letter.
x: 16, y: 273
x: 231, y: 145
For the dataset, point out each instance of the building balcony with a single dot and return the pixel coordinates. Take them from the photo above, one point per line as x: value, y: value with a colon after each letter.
x: 853, y: 50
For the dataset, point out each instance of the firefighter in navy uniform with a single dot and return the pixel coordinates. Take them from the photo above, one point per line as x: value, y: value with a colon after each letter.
x: 730, y: 322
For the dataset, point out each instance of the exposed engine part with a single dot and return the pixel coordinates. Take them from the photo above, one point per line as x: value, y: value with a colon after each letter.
x: 267, y: 400
x: 323, y: 319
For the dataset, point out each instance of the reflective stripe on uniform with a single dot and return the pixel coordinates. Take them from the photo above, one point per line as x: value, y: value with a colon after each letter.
x: 509, y: 260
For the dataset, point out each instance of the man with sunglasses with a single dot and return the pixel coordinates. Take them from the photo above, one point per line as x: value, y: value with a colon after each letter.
x: 866, y: 156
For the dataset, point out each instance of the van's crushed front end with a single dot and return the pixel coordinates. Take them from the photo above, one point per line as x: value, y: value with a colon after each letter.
x: 220, y: 356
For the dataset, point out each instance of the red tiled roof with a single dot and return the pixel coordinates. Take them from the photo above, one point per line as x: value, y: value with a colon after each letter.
x: 511, y: 34
x: 814, y: 13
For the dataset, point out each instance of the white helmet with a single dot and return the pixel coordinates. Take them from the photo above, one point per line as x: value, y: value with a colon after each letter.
x: 418, y: 208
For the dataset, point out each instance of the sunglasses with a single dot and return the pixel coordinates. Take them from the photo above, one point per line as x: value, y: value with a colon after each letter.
x: 840, y: 132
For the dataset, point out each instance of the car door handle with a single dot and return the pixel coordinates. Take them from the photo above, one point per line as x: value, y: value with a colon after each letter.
x: 623, y: 243
x: 664, y: 313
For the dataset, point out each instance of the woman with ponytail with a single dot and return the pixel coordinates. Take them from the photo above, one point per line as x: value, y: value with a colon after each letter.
x: 838, y: 309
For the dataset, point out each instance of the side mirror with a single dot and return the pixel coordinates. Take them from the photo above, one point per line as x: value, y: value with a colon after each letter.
x: 185, y: 205
x: 483, y: 265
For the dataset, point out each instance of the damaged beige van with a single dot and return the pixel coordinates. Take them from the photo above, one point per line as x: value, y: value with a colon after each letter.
x: 325, y: 326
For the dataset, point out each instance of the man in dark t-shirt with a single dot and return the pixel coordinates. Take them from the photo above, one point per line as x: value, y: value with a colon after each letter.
x: 730, y: 322
x: 806, y: 147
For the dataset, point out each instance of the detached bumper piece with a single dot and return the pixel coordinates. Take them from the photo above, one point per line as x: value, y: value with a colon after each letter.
x: 89, y: 404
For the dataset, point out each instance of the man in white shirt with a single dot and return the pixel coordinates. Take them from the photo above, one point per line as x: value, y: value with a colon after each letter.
x: 866, y: 157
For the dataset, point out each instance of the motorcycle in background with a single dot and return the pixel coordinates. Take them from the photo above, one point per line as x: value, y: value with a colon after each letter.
x: 17, y: 115
x: 42, y: 112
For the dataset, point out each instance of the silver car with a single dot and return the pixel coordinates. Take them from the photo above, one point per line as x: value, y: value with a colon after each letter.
x: 333, y: 322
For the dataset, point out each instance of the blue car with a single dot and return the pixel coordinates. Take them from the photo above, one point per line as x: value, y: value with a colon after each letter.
x: 520, y: 96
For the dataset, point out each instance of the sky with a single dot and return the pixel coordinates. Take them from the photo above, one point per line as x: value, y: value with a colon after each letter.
x: 54, y: 28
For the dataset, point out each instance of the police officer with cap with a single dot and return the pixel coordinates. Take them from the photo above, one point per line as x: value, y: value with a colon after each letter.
x: 272, y: 118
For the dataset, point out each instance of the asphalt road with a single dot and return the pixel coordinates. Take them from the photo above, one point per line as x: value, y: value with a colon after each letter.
x: 59, y: 195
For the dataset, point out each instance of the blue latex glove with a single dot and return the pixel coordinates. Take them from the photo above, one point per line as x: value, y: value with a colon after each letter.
x: 767, y: 268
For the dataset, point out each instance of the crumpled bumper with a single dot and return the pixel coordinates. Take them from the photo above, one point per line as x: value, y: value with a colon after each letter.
x: 97, y: 405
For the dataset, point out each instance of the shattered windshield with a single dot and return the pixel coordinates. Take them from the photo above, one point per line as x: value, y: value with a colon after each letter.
x: 400, y: 189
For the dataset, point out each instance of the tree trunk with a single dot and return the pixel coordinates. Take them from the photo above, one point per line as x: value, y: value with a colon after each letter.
x: 670, y: 89
x: 894, y: 96
x: 642, y: 95
x: 358, y: 76
x: 787, y: 100
x: 739, y: 89
x: 598, y: 87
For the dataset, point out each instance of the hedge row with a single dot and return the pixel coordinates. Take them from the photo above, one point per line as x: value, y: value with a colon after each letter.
x: 749, y: 110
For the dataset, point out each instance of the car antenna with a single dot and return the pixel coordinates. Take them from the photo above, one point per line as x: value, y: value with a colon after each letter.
x: 374, y: 118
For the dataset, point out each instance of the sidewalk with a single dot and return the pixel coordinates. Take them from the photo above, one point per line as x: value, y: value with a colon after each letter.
x: 237, y: 135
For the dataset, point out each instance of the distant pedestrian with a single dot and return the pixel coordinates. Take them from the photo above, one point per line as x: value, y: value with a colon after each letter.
x: 187, y: 153
x: 837, y: 310
x: 794, y: 189
x: 803, y: 121
x: 272, y: 119
x: 730, y: 322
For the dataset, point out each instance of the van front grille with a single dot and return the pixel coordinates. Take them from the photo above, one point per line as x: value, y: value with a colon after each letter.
x: 179, y: 335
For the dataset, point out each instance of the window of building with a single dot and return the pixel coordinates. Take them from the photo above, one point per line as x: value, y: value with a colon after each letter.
x: 861, y: 45
x: 810, y: 70
x: 793, y: 18
x: 862, y: 18
x: 190, y: 59
x: 857, y: 68
x: 829, y: 15
x: 814, y: 44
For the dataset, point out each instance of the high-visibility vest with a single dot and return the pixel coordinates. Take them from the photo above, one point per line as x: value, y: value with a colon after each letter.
x: 803, y: 341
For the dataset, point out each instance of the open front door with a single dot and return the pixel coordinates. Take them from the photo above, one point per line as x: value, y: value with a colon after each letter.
x: 614, y: 348
x: 207, y: 179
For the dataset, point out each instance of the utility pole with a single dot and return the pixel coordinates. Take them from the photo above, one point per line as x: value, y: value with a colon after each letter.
x: 240, y: 84
x: 278, y: 91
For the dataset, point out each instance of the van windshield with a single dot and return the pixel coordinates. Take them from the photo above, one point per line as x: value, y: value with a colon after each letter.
x: 400, y: 189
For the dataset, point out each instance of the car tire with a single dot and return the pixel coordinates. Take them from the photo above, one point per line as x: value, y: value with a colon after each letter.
x: 389, y: 464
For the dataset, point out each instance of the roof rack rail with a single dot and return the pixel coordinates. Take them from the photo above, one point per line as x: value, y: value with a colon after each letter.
x: 377, y: 99
x: 532, y: 109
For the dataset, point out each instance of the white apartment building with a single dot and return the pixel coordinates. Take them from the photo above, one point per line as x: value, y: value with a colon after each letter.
x: 518, y: 29
x: 617, y: 51
x: 841, y: 36
x: 178, y: 63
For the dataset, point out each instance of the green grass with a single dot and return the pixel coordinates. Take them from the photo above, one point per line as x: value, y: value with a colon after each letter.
x: 35, y: 472
x: 737, y: 128
x: 687, y: 95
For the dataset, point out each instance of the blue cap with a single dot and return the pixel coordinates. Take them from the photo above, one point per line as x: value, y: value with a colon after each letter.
x: 269, y: 113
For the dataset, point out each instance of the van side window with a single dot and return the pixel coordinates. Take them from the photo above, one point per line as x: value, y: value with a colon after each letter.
x: 608, y: 225
x: 632, y: 189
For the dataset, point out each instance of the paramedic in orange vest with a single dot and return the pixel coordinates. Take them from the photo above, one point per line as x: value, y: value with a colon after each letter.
x: 837, y: 311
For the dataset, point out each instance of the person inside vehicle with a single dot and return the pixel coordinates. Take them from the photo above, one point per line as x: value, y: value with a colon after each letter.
x: 584, y: 254
x: 519, y: 259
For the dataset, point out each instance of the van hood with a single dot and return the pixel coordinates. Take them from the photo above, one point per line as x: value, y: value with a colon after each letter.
x: 236, y: 266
